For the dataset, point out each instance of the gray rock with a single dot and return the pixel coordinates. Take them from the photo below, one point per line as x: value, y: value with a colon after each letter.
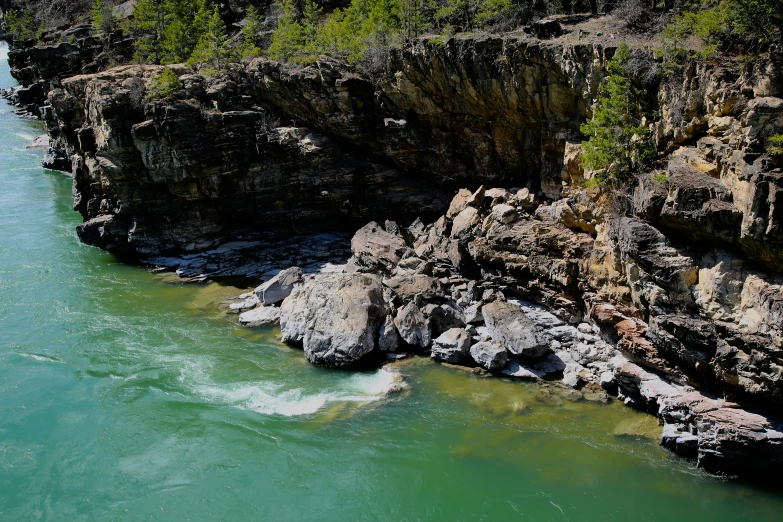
x: 515, y: 368
x: 444, y: 317
x: 564, y: 333
x: 336, y: 317
x: 451, y: 346
x: 473, y: 314
x: 260, y: 316
x: 465, y: 223
x: 509, y: 326
x: 408, y: 286
x: 280, y: 286
x: 413, y: 326
x: 375, y: 249
x: 504, y: 213
x: 389, y: 339
x: 491, y: 356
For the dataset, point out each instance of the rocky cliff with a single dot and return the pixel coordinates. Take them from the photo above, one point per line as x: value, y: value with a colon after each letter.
x: 651, y: 294
x: 267, y: 146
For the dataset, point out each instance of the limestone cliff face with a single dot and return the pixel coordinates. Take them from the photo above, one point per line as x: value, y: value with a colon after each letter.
x: 318, y: 147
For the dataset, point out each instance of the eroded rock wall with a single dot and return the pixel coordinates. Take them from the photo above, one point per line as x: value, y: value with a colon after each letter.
x: 267, y: 146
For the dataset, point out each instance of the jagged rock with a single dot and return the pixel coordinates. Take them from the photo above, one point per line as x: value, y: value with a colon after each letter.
x: 473, y: 314
x: 504, y: 213
x: 451, y: 346
x: 509, y: 326
x: 491, y: 356
x: 260, y: 316
x: 414, y: 327
x: 375, y: 249
x: 465, y: 223
x: 388, y: 339
x: 336, y: 317
x: 459, y: 203
x: 408, y: 286
x: 444, y: 317
x: 280, y: 286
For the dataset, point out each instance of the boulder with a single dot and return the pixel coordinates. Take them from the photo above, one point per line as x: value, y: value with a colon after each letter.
x: 336, y: 317
x: 280, y: 286
x: 465, y: 223
x: 504, y: 213
x: 408, y: 286
x: 414, y: 327
x: 444, y: 317
x: 451, y: 346
x: 459, y: 203
x: 375, y: 249
x: 509, y: 326
x: 491, y: 356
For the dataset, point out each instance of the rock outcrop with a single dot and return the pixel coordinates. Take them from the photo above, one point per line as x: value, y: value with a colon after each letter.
x: 336, y: 318
x: 319, y: 147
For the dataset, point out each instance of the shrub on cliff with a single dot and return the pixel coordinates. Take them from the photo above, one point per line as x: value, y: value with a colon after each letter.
x: 251, y: 44
x: 618, y: 144
x: 22, y: 26
x: 775, y: 145
x: 166, y: 85
x: 727, y: 26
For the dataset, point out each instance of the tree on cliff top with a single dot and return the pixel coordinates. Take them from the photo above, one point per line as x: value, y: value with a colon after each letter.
x: 148, y: 23
x: 213, y: 50
x: 617, y: 144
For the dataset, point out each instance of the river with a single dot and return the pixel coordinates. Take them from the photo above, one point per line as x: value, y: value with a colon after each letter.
x: 126, y: 395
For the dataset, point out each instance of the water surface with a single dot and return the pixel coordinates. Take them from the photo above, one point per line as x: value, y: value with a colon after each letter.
x: 129, y: 396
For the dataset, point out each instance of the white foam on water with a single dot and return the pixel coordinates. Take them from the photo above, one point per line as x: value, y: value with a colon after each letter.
x: 3, y: 51
x: 25, y: 136
x: 40, y: 358
x: 276, y: 399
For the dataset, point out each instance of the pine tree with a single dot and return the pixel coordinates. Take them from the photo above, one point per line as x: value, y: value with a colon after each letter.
x: 102, y: 17
x: 289, y: 37
x: 186, y: 20
x: 617, y: 143
x: 149, y: 23
x: 212, y: 50
x: 250, y: 45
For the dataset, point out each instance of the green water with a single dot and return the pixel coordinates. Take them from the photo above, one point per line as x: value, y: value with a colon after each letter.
x: 128, y: 396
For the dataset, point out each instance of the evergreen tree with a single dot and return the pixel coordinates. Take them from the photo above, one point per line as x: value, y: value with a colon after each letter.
x: 185, y: 21
x: 149, y: 23
x: 617, y: 142
x: 212, y: 51
x: 102, y: 17
x: 289, y: 37
x: 250, y: 44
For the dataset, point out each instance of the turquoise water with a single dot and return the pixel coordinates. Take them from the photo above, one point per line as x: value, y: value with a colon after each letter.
x: 129, y: 396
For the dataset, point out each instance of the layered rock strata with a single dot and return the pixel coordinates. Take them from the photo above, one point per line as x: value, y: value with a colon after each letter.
x: 269, y: 147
